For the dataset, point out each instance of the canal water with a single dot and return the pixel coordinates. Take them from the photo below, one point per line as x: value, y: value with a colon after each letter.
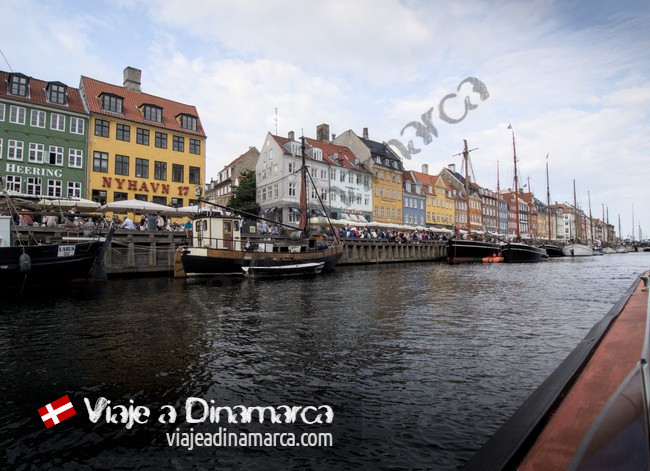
x: 420, y: 363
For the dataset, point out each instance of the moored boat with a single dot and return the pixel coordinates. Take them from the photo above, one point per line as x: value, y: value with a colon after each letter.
x: 577, y: 250
x: 24, y: 266
x: 553, y: 250
x: 470, y: 251
x: 277, y: 271
x: 514, y: 252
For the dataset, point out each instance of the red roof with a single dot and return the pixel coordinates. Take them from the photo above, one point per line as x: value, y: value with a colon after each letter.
x: 345, y: 159
x: 132, y: 101
x: 425, y: 179
x: 38, y: 94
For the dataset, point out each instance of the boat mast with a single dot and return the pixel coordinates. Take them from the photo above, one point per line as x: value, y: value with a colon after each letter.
x: 498, y: 203
x: 548, y: 203
x: 303, y: 189
x: 514, y: 153
x: 591, y: 219
x: 632, y: 222
x: 466, y: 160
x: 575, y: 211
x: 620, y: 236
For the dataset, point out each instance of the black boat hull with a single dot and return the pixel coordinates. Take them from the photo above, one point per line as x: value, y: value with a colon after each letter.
x: 470, y: 251
x: 553, y: 250
x: 522, y: 253
x: 50, y: 264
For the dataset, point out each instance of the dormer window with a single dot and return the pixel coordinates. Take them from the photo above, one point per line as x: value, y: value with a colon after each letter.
x: 317, y: 154
x: 112, y: 103
x: 56, y: 93
x: 18, y: 85
x: 153, y: 113
x: 188, y: 122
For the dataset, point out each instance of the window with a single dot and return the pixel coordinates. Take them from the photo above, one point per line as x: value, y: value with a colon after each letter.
x: 141, y: 197
x: 57, y: 122
x: 15, y: 150
x: 177, y: 173
x: 161, y: 140
x: 160, y: 170
x: 2, y: 111
x: 195, y: 146
x: 100, y: 164
x: 292, y: 189
x: 17, y: 114
x: 159, y: 200
x: 177, y: 202
x: 142, y: 137
x: 342, y: 176
x: 101, y: 128
x: 333, y: 174
x: 120, y: 196
x: 36, y: 152
x: 188, y: 122
x: 291, y: 167
x: 112, y: 103
x: 56, y: 155
x: 275, y: 190
x: 179, y: 144
x: 0, y: 147
x: 56, y: 93
x: 153, y: 113
x: 37, y: 119
x: 18, y: 85
x: 121, y: 164
x: 99, y: 196
x: 76, y: 125
x: 54, y: 188
x: 123, y: 132
x: 13, y: 183
x: 195, y: 175
x: 75, y: 158
x: 33, y: 186
x: 141, y: 168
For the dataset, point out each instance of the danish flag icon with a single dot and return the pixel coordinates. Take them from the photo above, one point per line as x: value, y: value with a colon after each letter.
x: 57, y: 411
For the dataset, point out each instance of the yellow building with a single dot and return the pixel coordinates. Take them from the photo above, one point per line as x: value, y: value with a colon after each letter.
x: 440, y: 204
x: 141, y: 146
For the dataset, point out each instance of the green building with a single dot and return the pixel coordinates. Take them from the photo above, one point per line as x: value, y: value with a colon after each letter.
x: 43, y: 137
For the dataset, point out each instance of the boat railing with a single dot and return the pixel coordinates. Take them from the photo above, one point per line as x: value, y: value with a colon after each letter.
x: 620, y: 435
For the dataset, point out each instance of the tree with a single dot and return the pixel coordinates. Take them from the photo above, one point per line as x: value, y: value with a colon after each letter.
x: 243, y: 195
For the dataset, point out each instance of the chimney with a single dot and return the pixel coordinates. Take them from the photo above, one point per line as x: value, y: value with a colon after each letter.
x: 132, y: 77
x: 452, y: 167
x: 425, y: 169
x: 291, y: 135
x: 323, y: 132
x: 333, y: 137
x: 365, y: 133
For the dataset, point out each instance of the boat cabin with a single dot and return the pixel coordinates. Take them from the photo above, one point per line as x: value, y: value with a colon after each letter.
x: 217, y: 231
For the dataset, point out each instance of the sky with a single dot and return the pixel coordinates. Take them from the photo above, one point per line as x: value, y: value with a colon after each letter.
x: 571, y: 77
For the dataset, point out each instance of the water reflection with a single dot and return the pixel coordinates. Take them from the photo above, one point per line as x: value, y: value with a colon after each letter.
x: 423, y: 362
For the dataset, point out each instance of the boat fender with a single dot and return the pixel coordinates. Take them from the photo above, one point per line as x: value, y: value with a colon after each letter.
x: 321, y: 245
x: 25, y: 263
x: 297, y: 235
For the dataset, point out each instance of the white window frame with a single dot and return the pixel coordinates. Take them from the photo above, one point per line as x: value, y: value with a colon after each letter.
x: 75, y: 158
x: 15, y: 147
x: 2, y: 111
x: 55, y: 188
x: 16, y: 113
x: 57, y: 122
x: 31, y: 185
x: 0, y: 148
x: 14, y: 183
x: 36, y: 152
x: 37, y: 119
x: 77, y: 125
x: 74, y: 189
x: 58, y: 150
x: 292, y: 189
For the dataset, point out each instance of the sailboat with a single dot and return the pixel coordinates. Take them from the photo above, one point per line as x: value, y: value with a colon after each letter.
x: 551, y: 249
x: 465, y: 250
x: 218, y: 248
x: 575, y: 248
x: 518, y: 252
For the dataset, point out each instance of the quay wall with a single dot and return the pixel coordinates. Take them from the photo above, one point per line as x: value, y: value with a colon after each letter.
x: 142, y: 252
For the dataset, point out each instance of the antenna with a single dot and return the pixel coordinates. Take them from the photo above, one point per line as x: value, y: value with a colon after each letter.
x: 3, y: 56
x: 276, y: 120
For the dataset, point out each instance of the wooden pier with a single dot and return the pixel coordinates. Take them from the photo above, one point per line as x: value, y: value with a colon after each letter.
x: 148, y: 252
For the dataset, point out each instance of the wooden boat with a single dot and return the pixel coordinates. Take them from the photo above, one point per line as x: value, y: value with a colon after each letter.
x: 218, y: 247
x: 577, y: 250
x: 608, y: 250
x: 277, y: 271
x: 590, y: 413
x: 553, y: 250
x: 519, y: 252
x: 24, y: 267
